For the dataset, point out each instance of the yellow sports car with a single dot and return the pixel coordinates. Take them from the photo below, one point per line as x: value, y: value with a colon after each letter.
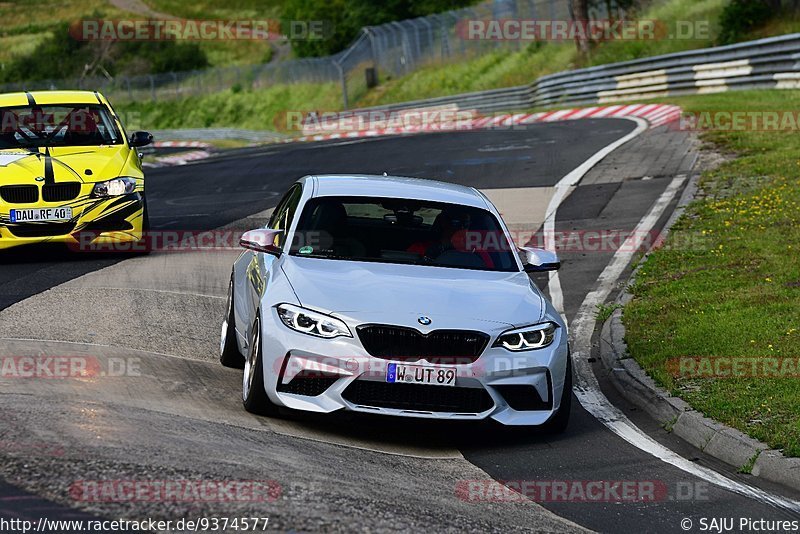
x: 68, y: 172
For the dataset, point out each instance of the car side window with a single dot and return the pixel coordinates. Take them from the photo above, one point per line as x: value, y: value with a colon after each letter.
x: 284, y: 214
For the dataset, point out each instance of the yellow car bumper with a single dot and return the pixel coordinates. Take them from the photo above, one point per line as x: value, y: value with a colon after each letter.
x: 96, y: 224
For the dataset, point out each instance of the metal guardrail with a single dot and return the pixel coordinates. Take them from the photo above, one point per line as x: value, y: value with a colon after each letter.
x: 770, y: 63
x: 773, y: 62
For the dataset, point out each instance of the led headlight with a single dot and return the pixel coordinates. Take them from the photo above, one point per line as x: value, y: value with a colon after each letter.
x: 114, y: 188
x: 527, y: 338
x: 312, y: 323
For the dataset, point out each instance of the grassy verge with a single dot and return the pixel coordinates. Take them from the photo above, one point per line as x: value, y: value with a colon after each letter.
x: 257, y: 110
x: 19, y: 35
x: 727, y: 283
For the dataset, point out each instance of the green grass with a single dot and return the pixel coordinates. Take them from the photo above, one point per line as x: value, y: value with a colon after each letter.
x: 668, y: 13
x: 727, y: 282
x: 218, y: 9
x: 258, y: 110
x: 19, y: 35
x: 489, y: 71
x: 604, y: 312
x: 222, y: 53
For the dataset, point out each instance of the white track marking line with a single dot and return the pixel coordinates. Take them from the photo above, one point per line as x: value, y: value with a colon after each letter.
x: 587, y: 388
x: 562, y: 189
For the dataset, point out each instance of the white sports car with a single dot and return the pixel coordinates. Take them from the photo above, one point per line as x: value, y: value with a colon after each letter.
x: 395, y: 296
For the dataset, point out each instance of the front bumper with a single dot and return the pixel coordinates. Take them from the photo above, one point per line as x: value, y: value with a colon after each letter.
x: 96, y: 222
x: 320, y: 375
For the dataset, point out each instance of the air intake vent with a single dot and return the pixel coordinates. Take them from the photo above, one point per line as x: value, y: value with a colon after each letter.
x: 423, y: 398
x: 41, y: 229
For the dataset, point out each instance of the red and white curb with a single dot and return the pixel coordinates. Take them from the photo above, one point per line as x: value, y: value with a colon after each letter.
x: 655, y: 114
x: 181, y: 144
x: 177, y: 159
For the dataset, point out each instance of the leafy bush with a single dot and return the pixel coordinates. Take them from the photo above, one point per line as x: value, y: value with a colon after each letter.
x: 741, y: 16
x: 62, y: 56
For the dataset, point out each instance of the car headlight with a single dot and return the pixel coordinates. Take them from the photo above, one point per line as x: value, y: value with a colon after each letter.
x: 312, y: 323
x: 113, y: 188
x: 527, y: 338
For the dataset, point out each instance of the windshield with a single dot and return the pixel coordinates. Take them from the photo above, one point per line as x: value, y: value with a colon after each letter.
x: 57, y: 125
x: 402, y: 231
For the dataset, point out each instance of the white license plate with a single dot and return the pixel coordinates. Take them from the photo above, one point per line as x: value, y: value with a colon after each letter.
x: 417, y: 374
x: 41, y: 214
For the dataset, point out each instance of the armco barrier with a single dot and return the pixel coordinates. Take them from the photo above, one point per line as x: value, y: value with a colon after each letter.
x: 766, y: 63
x: 771, y: 63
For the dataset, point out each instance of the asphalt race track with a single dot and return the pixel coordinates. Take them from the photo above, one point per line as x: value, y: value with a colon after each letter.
x: 180, y: 417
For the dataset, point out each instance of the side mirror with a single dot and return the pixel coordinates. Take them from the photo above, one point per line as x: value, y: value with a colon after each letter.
x: 538, y: 260
x: 141, y: 139
x: 261, y: 240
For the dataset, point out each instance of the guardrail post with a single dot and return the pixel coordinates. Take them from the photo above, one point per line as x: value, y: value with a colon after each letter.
x: 344, y: 84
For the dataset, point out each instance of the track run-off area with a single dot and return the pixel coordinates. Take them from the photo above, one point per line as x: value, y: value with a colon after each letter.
x: 179, y: 415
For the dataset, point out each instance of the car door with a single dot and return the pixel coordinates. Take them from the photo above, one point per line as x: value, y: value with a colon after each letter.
x: 252, y: 269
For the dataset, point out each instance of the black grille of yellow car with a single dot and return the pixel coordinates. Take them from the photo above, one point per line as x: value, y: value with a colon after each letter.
x: 41, y: 229
x: 408, y: 345
x: 418, y: 397
x: 20, y: 194
x: 61, y: 192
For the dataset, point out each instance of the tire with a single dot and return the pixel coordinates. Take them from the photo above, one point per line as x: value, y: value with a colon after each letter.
x: 559, y: 421
x: 254, y: 398
x: 229, y: 355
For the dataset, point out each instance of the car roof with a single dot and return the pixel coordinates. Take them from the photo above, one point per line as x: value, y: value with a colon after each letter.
x: 358, y: 185
x: 50, y: 97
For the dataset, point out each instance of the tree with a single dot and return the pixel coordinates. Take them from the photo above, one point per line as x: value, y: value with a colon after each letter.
x: 580, y: 14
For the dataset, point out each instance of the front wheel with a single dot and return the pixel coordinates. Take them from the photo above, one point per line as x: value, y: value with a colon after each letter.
x: 254, y: 398
x: 229, y: 355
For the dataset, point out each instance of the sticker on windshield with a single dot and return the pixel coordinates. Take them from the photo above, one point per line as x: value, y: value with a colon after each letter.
x: 306, y: 250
